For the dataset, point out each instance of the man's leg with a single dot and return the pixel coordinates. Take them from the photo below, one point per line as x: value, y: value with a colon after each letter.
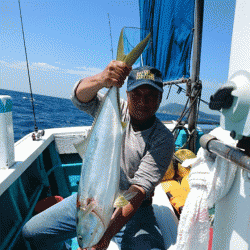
x: 49, y: 229
x: 141, y: 232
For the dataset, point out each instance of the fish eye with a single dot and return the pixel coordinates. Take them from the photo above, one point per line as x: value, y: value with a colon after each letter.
x: 80, y: 237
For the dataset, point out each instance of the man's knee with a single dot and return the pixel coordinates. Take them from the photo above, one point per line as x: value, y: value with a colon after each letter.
x: 31, y: 231
x: 27, y: 231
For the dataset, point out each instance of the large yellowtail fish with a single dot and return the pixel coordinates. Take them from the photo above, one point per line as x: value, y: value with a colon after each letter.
x: 100, y: 176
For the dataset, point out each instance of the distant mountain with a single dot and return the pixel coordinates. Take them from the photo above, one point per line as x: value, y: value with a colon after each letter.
x: 176, y: 109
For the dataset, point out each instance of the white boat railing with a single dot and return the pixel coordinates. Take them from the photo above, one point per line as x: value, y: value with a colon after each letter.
x: 235, y: 155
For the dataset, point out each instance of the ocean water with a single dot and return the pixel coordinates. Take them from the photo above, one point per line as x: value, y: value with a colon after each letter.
x: 51, y: 112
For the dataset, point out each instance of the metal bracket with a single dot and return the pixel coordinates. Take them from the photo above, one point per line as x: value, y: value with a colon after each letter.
x: 195, y: 88
x: 36, y: 136
x: 188, y: 87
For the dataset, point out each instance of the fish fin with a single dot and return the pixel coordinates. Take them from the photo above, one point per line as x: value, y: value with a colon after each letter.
x: 134, y: 54
x: 128, y: 195
x: 123, y: 198
x: 88, y: 208
x: 124, y: 125
x: 120, y: 50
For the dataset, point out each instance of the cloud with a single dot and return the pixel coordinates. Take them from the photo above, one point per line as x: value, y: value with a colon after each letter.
x: 60, y: 63
x: 83, y: 71
x: 15, y: 64
x: 44, y: 66
x: 86, y: 71
x: 22, y: 65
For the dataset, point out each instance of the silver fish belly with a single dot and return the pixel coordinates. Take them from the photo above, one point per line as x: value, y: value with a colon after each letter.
x: 100, y: 176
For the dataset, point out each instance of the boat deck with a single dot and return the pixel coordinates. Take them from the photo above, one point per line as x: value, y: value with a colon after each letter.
x: 52, y: 166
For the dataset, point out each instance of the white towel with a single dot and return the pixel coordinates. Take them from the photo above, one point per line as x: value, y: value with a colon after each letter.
x: 210, y: 180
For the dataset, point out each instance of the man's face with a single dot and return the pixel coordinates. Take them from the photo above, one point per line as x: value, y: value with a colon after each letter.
x: 143, y: 102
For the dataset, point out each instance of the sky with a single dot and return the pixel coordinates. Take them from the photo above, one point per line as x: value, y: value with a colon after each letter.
x: 69, y: 40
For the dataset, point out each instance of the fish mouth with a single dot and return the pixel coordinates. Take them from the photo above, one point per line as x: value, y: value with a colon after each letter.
x: 82, y: 244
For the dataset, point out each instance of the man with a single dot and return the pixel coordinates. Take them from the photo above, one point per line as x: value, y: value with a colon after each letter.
x: 145, y: 156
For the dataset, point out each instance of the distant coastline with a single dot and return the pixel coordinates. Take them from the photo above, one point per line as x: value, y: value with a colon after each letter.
x: 176, y: 109
x: 173, y: 110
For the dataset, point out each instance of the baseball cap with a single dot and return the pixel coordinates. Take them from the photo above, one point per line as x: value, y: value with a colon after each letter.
x: 145, y: 75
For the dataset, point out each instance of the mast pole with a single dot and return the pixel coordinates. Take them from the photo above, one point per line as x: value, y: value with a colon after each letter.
x: 195, y: 82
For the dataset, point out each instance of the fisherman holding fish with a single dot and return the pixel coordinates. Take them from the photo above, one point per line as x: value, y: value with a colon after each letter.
x: 146, y: 153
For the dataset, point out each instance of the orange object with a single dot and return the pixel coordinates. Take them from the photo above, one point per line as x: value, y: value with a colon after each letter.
x: 184, y: 154
x: 169, y: 175
x: 185, y: 183
x: 46, y: 203
x: 177, y: 203
x: 176, y: 194
x: 177, y: 198
x: 170, y: 185
x: 180, y: 193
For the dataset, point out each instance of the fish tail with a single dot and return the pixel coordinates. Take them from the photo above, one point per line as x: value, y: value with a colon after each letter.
x: 124, y: 198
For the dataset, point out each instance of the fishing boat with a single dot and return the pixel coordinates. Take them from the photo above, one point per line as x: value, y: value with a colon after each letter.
x: 45, y: 164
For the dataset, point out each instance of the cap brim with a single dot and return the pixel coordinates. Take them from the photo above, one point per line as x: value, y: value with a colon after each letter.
x: 140, y: 83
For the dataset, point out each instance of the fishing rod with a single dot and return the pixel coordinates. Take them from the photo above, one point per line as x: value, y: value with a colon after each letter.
x: 111, y: 38
x: 37, y: 134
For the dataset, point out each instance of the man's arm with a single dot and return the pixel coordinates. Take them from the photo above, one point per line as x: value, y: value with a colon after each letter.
x: 113, y: 75
x: 121, y: 216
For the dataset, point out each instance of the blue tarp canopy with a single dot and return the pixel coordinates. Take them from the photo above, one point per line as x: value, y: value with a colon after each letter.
x: 171, y: 25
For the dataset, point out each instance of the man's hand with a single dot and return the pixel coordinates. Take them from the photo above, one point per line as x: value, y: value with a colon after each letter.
x: 115, y: 74
x: 101, y: 245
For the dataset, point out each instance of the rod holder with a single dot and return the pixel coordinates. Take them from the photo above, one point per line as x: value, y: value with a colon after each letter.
x: 231, y: 154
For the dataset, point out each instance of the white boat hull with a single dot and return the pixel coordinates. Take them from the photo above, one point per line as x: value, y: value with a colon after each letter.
x: 232, y: 213
x: 231, y: 224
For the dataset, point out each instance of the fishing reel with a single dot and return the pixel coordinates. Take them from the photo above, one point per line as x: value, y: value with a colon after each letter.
x: 37, y: 135
x: 233, y: 99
